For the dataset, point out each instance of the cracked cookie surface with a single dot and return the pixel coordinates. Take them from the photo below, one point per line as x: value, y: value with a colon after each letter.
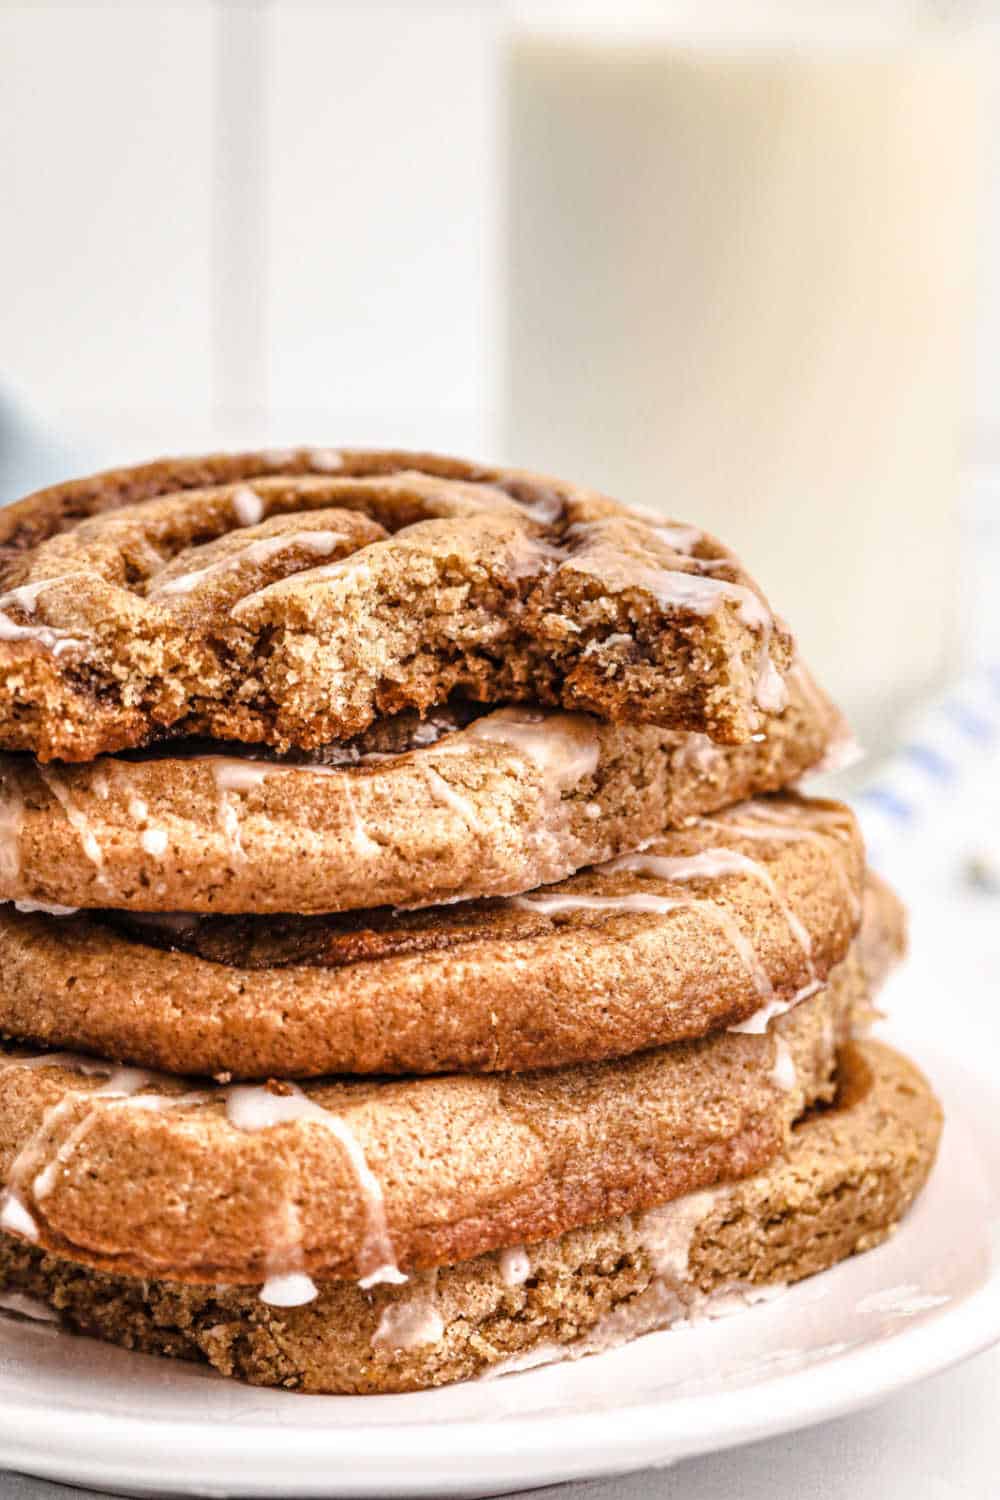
x: 463, y: 803
x: 293, y: 598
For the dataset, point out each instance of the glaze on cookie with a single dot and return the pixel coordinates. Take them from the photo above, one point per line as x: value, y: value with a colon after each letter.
x: 292, y: 599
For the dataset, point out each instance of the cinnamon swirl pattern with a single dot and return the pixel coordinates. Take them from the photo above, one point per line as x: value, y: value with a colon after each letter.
x: 419, y: 959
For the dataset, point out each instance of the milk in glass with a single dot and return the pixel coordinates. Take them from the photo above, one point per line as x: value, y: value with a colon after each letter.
x: 741, y: 276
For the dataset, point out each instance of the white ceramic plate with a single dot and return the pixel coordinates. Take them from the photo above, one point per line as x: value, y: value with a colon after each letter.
x: 73, y: 1410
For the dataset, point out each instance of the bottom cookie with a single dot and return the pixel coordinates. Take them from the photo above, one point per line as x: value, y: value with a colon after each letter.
x: 851, y: 1172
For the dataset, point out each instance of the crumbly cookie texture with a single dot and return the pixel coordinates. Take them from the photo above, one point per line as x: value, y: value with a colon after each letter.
x: 849, y: 1175
x: 454, y: 806
x: 135, y: 1173
x: 707, y: 927
x: 293, y: 598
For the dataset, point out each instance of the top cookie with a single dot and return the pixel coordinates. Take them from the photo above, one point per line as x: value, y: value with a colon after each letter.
x: 292, y: 598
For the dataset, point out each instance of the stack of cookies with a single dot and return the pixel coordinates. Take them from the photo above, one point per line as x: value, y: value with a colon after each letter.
x: 414, y: 964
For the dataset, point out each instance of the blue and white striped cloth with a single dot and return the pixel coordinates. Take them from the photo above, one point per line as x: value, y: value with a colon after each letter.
x: 947, y: 763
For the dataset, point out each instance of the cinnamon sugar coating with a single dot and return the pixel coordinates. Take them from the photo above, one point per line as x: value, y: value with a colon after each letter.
x: 461, y: 804
x: 706, y: 926
x: 156, y: 1177
x: 293, y: 598
x: 847, y: 1178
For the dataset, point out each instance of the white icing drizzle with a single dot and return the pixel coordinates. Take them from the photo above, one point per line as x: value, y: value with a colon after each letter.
x: 50, y: 911
x: 771, y: 690
x: 669, y: 586
x: 138, y: 809
x: 242, y: 774
x: 256, y: 554
x: 121, y: 1083
x: 24, y: 1306
x: 278, y: 458
x: 252, y: 1107
x: 843, y: 751
x: 287, y: 1284
x: 546, y: 508
x: 248, y: 507
x: 25, y: 597
x: 325, y: 460
x: 15, y: 1217
x: 691, y: 591
x: 229, y: 822
x: 364, y: 845
x: 757, y: 820
x: 411, y: 1322
x: 529, y: 556
x: 352, y: 570
x: 290, y: 1289
x: 757, y: 1023
x: 667, y: 1232
x: 783, y: 823
x: 446, y: 793
x: 515, y: 1266
x: 711, y: 864
x: 249, y: 1107
x: 56, y: 641
x: 159, y: 1103
x: 77, y: 820
x: 563, y: 746
x: 681, y: 538
x: 154, y: 841
x: 89, y: 1066
x: 698, y: 753
x: 642, y: 901
x: 784, y: 1074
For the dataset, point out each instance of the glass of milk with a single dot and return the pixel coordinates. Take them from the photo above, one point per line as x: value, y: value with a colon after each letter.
x: 741, y: 282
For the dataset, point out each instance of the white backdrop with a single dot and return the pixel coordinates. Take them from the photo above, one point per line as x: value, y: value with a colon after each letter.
x: 223, y: 219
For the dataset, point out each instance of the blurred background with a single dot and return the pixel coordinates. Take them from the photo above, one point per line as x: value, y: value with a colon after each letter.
x: 735, y: 260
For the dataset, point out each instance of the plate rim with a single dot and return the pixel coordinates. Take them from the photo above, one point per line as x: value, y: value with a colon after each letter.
x: 131, y: 1451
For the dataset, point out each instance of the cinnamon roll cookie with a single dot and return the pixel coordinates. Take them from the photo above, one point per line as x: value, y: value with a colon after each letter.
x: 459, y: 804
x: 294, y: 598
x: 714, y: 925
x: 848, y: 1175
x: 155, y: 1175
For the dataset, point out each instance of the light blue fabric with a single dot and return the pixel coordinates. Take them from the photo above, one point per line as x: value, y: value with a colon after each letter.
x: 947, y: 753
